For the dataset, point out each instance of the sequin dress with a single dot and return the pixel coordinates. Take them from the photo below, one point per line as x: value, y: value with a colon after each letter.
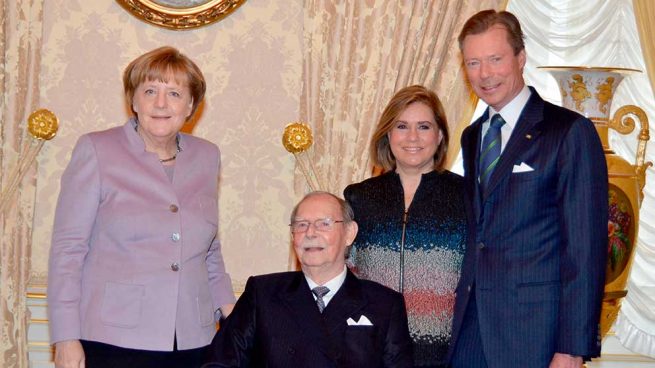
x: 435, y: 236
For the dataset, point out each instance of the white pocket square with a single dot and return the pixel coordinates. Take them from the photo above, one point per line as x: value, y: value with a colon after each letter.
x: 523, y: 167
x: 363, y: 321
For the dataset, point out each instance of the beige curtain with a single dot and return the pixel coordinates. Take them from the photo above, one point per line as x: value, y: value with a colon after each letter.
x: 644, y: 15
x: 357, y: 54
x: 20, y: 46
x: 635, y: 325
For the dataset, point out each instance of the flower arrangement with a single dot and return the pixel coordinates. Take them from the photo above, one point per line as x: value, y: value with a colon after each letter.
x: 297, y: 139
x: 42, y: 126
x: 618, y: 230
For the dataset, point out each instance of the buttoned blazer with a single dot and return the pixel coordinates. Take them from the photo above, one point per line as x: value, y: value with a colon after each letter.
x: 135, y: 258
x: 537, y: 256
x: 276, y: 323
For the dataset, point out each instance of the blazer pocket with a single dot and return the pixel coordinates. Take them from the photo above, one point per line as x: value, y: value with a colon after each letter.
x: 361, y: 344
x: 205, y: 306
x: 525, y: 176
x: 121, y: 304
x: 538, y: 292
x: 361, y: 335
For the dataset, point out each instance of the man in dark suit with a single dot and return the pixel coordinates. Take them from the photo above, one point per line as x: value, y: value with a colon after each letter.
x: 534, y: 269
x: 321, y: 317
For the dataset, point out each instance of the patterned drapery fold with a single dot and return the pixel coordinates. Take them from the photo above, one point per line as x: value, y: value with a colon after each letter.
x: 358, y: 54
x: 635, y: 326
x: 20, y: 48
x: 644, y: 15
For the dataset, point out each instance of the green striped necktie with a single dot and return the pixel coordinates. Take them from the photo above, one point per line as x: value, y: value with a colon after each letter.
x: 490, y: 153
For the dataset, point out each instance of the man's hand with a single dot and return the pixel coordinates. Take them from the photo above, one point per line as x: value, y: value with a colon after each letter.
x: 69, y: 354
x: 565, y: 361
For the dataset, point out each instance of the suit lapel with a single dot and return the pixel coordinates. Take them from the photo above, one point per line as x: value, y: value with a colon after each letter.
x: 304, y: 311
x: 471, y: 142
x: 473, y: 146
x: 346, y: 303
x: 524, y: 134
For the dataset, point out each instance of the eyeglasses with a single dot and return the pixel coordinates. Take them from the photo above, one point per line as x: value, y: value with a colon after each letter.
x: 324, y: 224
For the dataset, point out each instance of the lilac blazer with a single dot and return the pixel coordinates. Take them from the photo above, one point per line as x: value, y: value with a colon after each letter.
x: 135, y: 258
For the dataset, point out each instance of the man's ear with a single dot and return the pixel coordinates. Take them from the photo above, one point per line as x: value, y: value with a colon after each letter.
x: 351, y: 229
x: 522, y: 58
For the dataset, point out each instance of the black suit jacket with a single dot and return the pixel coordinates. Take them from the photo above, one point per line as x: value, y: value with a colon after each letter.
x: 538, y: 245
x: 276, y: 323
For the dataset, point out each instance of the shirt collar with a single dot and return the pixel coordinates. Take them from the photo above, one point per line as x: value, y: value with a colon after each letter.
x: 334, y: 284
x: 512, y: 111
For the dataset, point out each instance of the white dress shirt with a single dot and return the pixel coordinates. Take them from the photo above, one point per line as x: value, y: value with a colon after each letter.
x: 334, y: 285
x: 510, y: 113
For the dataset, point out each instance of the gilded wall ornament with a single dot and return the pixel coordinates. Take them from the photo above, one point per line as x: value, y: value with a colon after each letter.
x: 181, y: 14
x: 297, y: 139
x: 42, y: 124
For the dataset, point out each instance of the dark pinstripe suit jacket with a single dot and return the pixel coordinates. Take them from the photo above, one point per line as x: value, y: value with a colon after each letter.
x: 538, y: 240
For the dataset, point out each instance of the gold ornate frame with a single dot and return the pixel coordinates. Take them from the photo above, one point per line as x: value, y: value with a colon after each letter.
x: 181, y: 17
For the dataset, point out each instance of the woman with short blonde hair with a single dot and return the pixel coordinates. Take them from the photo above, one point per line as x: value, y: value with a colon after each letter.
x: 136, y: 276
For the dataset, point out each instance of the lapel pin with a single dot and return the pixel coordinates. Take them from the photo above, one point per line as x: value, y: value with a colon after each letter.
x: 528, y: 136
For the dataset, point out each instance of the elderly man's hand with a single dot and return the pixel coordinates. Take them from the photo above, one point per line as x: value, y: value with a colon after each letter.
x: 565, y: 361
x: 69, y: 354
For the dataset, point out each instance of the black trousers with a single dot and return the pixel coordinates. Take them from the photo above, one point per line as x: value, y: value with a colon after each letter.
x: 468, y: 351
x: 99, y: 355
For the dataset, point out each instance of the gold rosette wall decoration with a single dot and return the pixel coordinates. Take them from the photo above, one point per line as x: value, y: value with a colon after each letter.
x: 42, y: 125
x: 297, y: 139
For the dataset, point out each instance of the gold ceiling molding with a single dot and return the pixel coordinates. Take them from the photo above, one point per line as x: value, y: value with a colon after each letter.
x: 181, y: 14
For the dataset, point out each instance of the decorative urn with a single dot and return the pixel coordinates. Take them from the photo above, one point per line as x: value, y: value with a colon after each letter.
x: 589, y: 91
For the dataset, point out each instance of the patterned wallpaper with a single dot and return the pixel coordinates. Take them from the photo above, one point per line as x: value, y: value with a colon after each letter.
x: 252, y: 62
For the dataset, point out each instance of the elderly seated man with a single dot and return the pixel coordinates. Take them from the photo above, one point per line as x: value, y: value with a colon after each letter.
x: 323, y: 316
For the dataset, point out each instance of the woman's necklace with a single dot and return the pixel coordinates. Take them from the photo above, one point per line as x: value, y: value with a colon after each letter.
x: 177, y: 150
x: 177, y: 144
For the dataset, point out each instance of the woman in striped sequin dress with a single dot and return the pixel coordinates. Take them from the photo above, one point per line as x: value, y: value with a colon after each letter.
x: 412, y: 219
